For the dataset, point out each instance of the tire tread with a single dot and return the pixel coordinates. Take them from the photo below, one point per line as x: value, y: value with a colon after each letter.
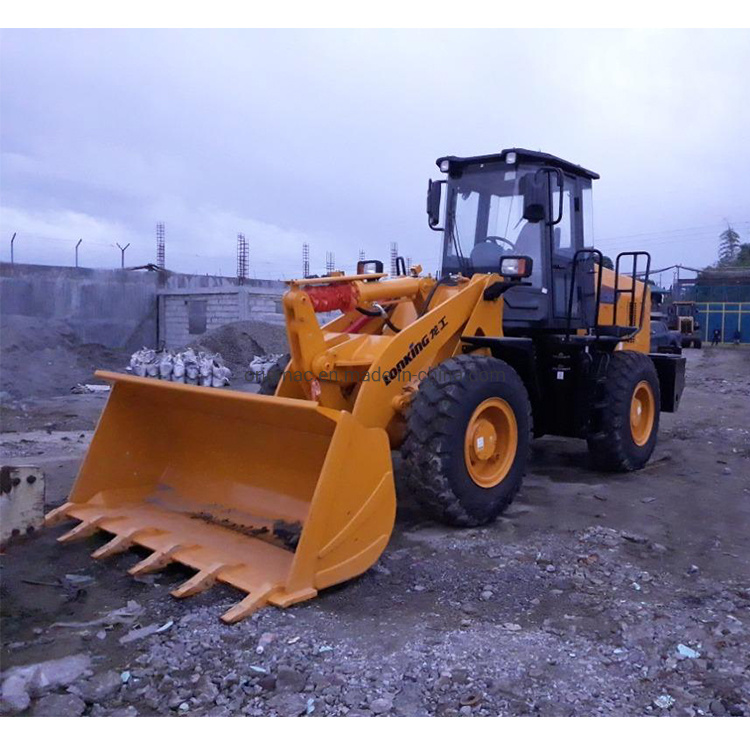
x: 608, y: 449
x: 426, y: 448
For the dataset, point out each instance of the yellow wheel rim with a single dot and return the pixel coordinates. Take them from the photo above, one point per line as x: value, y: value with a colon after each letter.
x: 642, y: 410
x: 491, y: 442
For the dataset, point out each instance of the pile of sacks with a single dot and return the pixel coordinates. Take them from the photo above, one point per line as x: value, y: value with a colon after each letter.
x: 185, y: 366
x: 261, y: 364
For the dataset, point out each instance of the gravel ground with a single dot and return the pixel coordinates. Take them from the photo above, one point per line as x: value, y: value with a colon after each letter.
x: 595, y: 594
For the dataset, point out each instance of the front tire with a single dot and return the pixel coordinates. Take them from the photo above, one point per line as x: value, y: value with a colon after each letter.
x: 467, y: 440
x: 626, y: 421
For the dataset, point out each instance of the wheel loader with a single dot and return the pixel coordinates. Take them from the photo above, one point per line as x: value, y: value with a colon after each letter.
x: 522, y: 333
x: 684, y: 319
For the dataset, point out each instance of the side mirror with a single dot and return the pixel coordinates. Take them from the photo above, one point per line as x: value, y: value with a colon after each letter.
x: 534, y: 197
x: 537, y: 194
x: 516, y: 266
x: 434, y: 199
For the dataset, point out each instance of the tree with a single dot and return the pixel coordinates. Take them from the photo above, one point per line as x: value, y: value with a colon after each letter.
x: 743, y: 257
x: 729, y: 246
x: 607, y: 262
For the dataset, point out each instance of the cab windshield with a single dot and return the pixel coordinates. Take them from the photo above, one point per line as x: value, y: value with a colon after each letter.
x: 486, y: 221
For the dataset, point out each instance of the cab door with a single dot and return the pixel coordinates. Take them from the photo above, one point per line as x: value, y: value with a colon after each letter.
x: 565, y: 238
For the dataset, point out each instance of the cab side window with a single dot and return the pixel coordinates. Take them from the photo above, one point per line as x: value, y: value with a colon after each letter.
x: 563, y: 231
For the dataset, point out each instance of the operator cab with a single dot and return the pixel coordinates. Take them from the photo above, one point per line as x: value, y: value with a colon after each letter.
x: 520, y: 203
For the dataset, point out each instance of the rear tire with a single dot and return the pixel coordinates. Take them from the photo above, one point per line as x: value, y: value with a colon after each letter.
x: 467, y: 440
x: 698, y: 344
x: 626, y: 420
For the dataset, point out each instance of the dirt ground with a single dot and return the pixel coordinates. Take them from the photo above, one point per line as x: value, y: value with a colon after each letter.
x: 595, y: 594
x: 47, y: 358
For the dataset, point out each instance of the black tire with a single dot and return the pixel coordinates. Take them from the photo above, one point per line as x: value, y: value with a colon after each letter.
x: 697, y: 344
x: 434, y: 469
x: 269, y: 384
x: 612, y: 444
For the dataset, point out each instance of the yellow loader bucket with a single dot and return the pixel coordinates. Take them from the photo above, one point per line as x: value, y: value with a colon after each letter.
x: 277, y: 497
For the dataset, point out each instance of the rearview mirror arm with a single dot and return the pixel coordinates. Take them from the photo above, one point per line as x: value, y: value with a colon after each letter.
x: 493, y: 291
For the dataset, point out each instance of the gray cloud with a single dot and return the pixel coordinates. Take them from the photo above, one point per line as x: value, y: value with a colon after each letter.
x: 330, y: 137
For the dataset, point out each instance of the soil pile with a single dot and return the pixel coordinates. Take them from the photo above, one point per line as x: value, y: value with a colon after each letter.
x: 239, y: 342
x: 39, y: 358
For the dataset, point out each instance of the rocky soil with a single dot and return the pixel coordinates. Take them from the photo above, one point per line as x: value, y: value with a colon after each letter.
x: 595, y: 594
x: 45, y: 359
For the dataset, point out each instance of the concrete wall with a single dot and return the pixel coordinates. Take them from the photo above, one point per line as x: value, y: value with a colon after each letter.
x: 191, y: 312
x: 113, y: 308
x: 190, y: 282
x: 130, y: 309
x: 181, y: 323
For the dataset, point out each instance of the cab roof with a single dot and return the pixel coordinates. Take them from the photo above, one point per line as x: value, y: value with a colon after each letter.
x: 524, y: 156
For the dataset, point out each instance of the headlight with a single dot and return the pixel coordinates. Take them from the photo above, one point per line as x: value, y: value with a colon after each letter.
x: 445, y: 165
x: 511, y: 267
x: 516, y: 267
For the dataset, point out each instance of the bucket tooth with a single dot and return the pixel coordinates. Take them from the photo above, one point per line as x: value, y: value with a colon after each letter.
x: 120, y: 543
x: 251, y: 603
x: 86, y: 528
x: 201, y: 581
x: 156, y: 560
x: 283, y: 598
x: 58, y: 515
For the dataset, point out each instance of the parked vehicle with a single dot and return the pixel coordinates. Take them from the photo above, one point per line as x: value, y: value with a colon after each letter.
x: 686, y: 324
x: 663, y: 339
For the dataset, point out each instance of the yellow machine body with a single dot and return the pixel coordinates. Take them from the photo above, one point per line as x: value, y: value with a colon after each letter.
x: 629, y: 308
x: 279, y: 496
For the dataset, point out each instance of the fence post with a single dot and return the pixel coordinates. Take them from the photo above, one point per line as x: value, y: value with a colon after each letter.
x: 122, y: 252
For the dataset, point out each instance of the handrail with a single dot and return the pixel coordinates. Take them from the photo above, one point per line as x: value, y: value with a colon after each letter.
x: 634, y: 254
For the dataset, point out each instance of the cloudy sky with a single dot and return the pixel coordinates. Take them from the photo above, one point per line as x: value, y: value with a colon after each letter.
x: 329, y: 137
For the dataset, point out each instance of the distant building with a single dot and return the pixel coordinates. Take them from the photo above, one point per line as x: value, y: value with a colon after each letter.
x: 722, y: 299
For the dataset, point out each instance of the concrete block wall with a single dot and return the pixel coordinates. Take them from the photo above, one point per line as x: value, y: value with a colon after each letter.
x: 180, y: 326
x: 265, y: 306
x: 130, y: 308
x: 214, y: 307
x: 222, y: 309
x: 191, y: 282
